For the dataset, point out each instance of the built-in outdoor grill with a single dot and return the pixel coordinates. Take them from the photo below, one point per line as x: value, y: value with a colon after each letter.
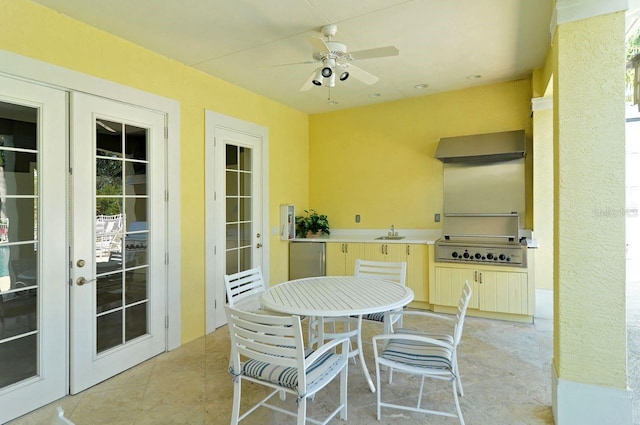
x: 484, y: 199
x: 481, y: 238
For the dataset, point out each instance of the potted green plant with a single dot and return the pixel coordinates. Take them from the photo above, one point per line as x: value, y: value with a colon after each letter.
x: 312, y: 225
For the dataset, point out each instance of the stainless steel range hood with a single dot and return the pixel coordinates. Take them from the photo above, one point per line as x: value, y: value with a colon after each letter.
x: 482, y: 147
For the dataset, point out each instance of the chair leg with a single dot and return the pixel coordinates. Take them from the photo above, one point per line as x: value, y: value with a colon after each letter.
x: 378, y: 393
x: 237, y: 392
x: 458, y: 377
x: 343, y: 392
x: 302, y: 411
x: 457, y: 400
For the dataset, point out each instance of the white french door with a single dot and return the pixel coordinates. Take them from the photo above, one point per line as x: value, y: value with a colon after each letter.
x: 118, y: 248
x: 33, y: 236
x: 236, y: 183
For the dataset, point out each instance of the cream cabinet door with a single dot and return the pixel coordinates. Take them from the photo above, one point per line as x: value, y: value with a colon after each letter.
x: 341, y: 258
x: 448, y: 286
x: 335, y: 259
x: 503, y: 292
x: 417, y: 271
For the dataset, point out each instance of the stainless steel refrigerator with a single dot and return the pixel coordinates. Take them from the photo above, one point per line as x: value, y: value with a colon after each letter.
x: 307, y: 259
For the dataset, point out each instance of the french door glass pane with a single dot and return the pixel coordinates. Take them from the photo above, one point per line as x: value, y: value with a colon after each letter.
x: 239, y: 225
x: 121, y: 229
x: 19, y: 291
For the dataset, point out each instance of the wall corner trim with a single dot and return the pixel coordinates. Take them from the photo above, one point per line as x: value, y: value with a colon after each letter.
x: 541, y: 103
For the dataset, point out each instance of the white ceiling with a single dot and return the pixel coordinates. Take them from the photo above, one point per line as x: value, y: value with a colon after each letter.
x: 441, y: 42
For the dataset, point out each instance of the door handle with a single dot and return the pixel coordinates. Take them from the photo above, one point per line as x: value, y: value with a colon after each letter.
x: 81, y: 281
x: 258, y: 245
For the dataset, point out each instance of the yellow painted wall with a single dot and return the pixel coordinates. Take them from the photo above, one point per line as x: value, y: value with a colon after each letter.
x: 37, y: 32
x: 589, y: 138
x: 377, y: 161
x: 543, y: 196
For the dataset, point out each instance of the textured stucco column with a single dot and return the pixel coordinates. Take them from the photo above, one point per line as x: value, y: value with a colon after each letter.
x: 590, y: 353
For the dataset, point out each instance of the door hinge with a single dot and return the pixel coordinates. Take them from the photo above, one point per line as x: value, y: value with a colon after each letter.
x: 215, y: 249
x: 166, y: 133
x: 70, y: 171
x: 166, y: 258
x: 215, y: 142
x: 215, y: 304
x: 166, y: 196
x: 215, y: 196
x: 166, y: 322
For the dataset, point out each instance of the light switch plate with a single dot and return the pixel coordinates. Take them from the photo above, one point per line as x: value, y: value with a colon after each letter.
x: 437, y: 218
x: 357, y: 218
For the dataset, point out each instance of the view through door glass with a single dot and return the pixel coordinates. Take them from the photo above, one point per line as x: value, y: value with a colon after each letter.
x: 239, y: 225
x: 122, y: 295
x: 18, y: 243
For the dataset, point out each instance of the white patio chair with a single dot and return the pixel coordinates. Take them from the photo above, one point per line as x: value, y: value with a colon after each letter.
x: 423, y: 354
x: 395, y: 272
x: 244, y: 289
x: 269, y: 350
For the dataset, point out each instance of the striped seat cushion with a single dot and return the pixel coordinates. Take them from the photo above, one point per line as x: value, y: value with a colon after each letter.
x: 441, y: 337
x: 326, y: 365
x: 376, y: 317
x: 418, y: 354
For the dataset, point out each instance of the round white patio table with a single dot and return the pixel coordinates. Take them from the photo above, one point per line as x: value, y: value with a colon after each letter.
x: 337, y: 296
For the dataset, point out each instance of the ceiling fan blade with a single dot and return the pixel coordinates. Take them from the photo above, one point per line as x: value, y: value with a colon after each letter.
x: 378, y: 52
x: 319, y: 45
x: 362, y: 75
x: 291, y: 63
x: 309, y: 83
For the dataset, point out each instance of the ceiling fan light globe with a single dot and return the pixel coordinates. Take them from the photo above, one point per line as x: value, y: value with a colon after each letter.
x: 344, y: 76
x: 317, y: 82
x: 327, y: 72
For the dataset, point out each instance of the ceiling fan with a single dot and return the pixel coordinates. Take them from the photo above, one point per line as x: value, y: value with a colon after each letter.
x: 337, y: 62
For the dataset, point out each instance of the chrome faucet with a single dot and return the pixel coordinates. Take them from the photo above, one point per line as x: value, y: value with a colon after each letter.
x: 393, y: 233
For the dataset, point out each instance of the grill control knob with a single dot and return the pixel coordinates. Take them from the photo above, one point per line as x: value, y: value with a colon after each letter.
x: 502, y: 257
x: 490, y: 256
x: 465, y: 255
x: 454, y: 254
x: 478, y: 256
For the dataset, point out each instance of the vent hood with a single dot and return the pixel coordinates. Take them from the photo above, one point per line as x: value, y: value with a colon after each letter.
x: 482, y: 147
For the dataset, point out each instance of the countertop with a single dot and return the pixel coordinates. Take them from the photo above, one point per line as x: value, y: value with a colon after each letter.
x: 412, y: 236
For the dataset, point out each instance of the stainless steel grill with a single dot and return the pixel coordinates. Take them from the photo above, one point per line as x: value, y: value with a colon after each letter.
x: 481, y: 238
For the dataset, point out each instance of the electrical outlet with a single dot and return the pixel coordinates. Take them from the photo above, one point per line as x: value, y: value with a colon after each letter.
x: 357, y: 218
x: 274, y: 230
x: 437, y: 218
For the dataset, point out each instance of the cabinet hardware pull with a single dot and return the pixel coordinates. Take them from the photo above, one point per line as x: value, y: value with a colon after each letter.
x: 346, y: 248
x: 408, y: 250
x: 386, y: 249
x: 480, y: 277
x: 475, y: 275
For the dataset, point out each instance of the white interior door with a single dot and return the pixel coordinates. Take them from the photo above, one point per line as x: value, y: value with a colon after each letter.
x: 33, y: 240
x: 236, y: 214
x: 118, y: 251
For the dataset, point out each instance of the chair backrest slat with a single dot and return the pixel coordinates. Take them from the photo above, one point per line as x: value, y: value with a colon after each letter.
x: 244, y: 287
x: 463, y: 304
x: 271, y: 339
x: 392, y: 271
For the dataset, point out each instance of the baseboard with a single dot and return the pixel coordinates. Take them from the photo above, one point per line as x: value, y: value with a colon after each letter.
x: 544, y: 304
x: 586, y: 404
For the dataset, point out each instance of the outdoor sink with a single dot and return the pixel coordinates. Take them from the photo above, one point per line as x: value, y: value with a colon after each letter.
x: 389, y: 238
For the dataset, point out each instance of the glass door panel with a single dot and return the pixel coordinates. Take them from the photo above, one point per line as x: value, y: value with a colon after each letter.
x: 19, y: 293
x: 121, y: 203
x: 239, y: 223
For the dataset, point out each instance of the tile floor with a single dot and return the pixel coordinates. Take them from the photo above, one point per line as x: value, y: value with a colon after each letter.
x: 505, y: 370
x: 505, y: 367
